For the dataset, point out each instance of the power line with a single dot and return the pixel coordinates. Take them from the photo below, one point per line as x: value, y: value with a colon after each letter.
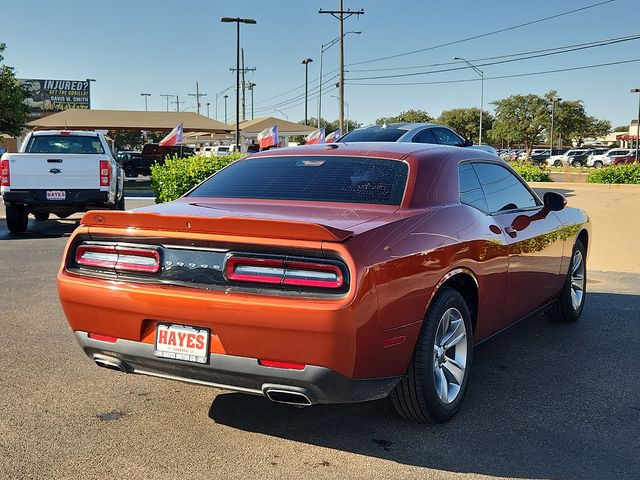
x: 499, y: 62
x: 483, y: 35
x: 314, y: 90
x: 568, y: 69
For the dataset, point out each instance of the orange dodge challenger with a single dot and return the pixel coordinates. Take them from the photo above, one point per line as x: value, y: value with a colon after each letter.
x: 325, y: 274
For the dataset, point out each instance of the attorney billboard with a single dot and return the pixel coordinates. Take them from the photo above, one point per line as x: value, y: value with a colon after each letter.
x: 52, y: 96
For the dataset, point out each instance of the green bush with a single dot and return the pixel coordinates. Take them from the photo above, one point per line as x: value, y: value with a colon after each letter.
x: 179, y: 175
x: 616, y: 174
x: 531, y: 172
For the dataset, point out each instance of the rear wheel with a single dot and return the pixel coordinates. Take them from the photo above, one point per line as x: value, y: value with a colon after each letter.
x: 41, y: 216
x: 17, y: 218
x: 570, y: 303
x: 120, y: 203
x: 130, y: 171
x: 557, y: 163
x: 437, y: 378
x: 576, y: 163
x: 598, y: 164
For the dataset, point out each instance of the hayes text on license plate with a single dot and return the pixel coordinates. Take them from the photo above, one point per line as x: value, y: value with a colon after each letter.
x: 56, y: 195
x: 182, y: 342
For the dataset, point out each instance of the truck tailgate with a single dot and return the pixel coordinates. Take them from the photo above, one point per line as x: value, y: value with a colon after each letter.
x: 32, y: 171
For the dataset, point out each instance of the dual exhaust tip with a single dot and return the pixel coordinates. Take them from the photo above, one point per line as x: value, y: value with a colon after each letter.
x: 277, y: 394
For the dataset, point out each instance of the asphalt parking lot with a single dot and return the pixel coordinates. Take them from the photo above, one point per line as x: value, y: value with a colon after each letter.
x: 545, y: 401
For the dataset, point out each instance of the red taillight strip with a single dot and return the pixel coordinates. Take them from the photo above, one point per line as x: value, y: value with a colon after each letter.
x: 266, y: 270
x: 118, y: 258
x: 102, y: 338
x: 5, y: 177
x: 105, y: 173
x: 308, y: 268
x: 287, y: 365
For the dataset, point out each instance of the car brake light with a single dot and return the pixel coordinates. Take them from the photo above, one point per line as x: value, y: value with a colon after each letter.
x: 119, y: 258
x: 5, y: 178
x: 102, y: 338
x: 284, y: 272
x: 287, y: 365
x: 105, y: 173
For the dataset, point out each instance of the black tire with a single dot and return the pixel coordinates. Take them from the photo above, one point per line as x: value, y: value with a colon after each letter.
x: 564, y: 309
x: 17, y: 218
x: 598, y: 164
x: 576, y: 164
x: 120, y: 203
x: 41, y: 216
x: 130, y: 171
x: 557, y: 163
x: 416, y: 397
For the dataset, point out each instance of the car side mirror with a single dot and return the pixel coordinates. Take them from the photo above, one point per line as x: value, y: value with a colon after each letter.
x: 554, y: 201
x: 467, y: 142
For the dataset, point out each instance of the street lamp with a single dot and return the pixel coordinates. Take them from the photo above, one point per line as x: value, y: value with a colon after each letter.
x: 89, y: 80
x: 306, y: 63
x: 553, y: 108
x: 637, y: 90
x: 346, y: 125
x: 280, y: 111
x: 208, y: 109
x: 237, y: 21
x: 251, y: 86
x: 218, y: 95
x: 225, y: 109
x: 324, y: 48
x: 481, y: 73
x: 145, y: 95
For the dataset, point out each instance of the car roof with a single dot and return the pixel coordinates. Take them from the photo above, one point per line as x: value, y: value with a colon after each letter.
x: 83, y: 133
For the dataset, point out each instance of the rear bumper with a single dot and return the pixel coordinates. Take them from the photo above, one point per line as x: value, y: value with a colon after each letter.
x: 74, y: 198
x: 320, y: 385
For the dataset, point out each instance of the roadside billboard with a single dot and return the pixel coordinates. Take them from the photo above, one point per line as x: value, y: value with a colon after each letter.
x: 52, y: 96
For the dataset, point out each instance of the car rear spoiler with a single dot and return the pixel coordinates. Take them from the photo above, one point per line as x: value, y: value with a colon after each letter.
x: 240, y: 226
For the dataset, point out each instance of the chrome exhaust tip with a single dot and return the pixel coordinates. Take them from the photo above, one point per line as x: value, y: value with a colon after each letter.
x: 288, y: 397
x: 109, y: 362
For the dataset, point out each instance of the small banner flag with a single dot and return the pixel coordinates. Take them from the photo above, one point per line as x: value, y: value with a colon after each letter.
x: 174, y: 137
x: 333, y: 137
x: 315, y: 137
x: 268, y: 137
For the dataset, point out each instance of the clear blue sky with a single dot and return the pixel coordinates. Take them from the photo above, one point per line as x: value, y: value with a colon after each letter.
x: 161, y: 47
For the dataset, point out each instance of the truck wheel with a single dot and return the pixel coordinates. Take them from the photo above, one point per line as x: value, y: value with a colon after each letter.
x: 130, y: 171
x: 17, y: 218
x: 120, y: 203
x: 41, y: 216
x: 436, y: 380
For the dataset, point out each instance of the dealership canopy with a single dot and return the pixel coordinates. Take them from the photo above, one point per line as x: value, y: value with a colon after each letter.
x: 252, y: 128
x: 128, y: 120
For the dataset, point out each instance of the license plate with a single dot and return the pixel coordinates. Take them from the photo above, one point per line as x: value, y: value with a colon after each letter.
x: 182, y: 342
x: 56, y: 195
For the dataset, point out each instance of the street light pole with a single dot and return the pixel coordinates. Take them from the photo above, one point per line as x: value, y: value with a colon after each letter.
x: 225, y: 108
x: 346, y: 125
x: 251, y: 86
x: 208, y: 109
x: 306, y: 63
x: 324, y: 48
x: 145, y: 95
x: 553, y: 108
x: 237, y: 21
x: 637, y: 90
x: 167, y: 97
x: 481, y: 73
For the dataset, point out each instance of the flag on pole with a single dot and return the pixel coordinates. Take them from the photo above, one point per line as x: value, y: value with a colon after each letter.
x: 333, y: 137
x: 268, y: 137
x: 315, y: 137
x: 174, y: 137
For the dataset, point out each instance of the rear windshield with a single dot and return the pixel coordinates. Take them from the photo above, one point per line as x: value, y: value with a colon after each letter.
x: 319, y: 179
x: 64, y: 144
x: 374, y: 135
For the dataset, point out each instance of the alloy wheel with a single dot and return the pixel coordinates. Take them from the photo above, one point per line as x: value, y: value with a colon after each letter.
x: 577, y: 280
x: 450, y: 355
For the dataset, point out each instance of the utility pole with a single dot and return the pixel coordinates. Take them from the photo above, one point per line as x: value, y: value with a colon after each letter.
x: 197, y: 95
x: 177, y: 103
x: 242, y: 70
x: 341, y: 15
x: 167, y: 97
x: 250, y: 86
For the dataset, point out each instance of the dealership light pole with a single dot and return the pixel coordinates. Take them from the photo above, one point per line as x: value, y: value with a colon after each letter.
x: 553, y: 111
x: 237, y: 21
x: 89, y: 80
x: 251, y: 86
x: 324, y: 48
x: 306, y: 63
x: 208, y: 108
x: 481, y: 73
x: 167, y: 97
x: 225, y: 108
x: 637, y: 90
x: 145, y: 95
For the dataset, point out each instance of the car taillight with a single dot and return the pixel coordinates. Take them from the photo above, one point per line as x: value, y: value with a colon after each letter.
x: 105, y: 173
x: 5, y: 178
x: 284, y: 272
x: 285, y: 365
x: 119, y: 258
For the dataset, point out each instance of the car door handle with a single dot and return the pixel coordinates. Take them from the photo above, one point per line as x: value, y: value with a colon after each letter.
x: 511, y: 231
x: 54, y: 160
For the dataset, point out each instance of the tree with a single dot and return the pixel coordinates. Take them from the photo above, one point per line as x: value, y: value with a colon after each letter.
x: 572, y: 123
x: 13, y: 112
x: 410, y: 116
x: 126, y: 139
x: 621, y: 128
x: 466, y: 121
x: 592, y: 127
x: 327, y: 125
x: 520, y: 119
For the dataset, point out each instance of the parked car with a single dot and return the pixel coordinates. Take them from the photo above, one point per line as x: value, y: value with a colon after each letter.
x: 561, y: 159
x: 407, y: 132
x: 129, y: 160
x: 544, y: 155
x: 61, y: 173
x: 629, y: 157
x: 154, y: 153
x: 217, y: 150
x: 326, y: 274
x: 580, y: 159
x: 604, y: 159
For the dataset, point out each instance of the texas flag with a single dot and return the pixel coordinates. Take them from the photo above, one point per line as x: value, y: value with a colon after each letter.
x: 268, y: 137
x: 174, y: 137
x: 315, y: 137
x: 333, y: 137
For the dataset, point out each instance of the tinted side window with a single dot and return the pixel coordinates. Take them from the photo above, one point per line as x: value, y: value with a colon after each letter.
x: 376, y: 134
x: 503, y: 190
x: 447, y: 137
x: 425, y: 136
x: 470, y: 190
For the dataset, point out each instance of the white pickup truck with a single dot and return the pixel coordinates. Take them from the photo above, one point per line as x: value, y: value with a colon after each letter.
x: 59, y: 172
